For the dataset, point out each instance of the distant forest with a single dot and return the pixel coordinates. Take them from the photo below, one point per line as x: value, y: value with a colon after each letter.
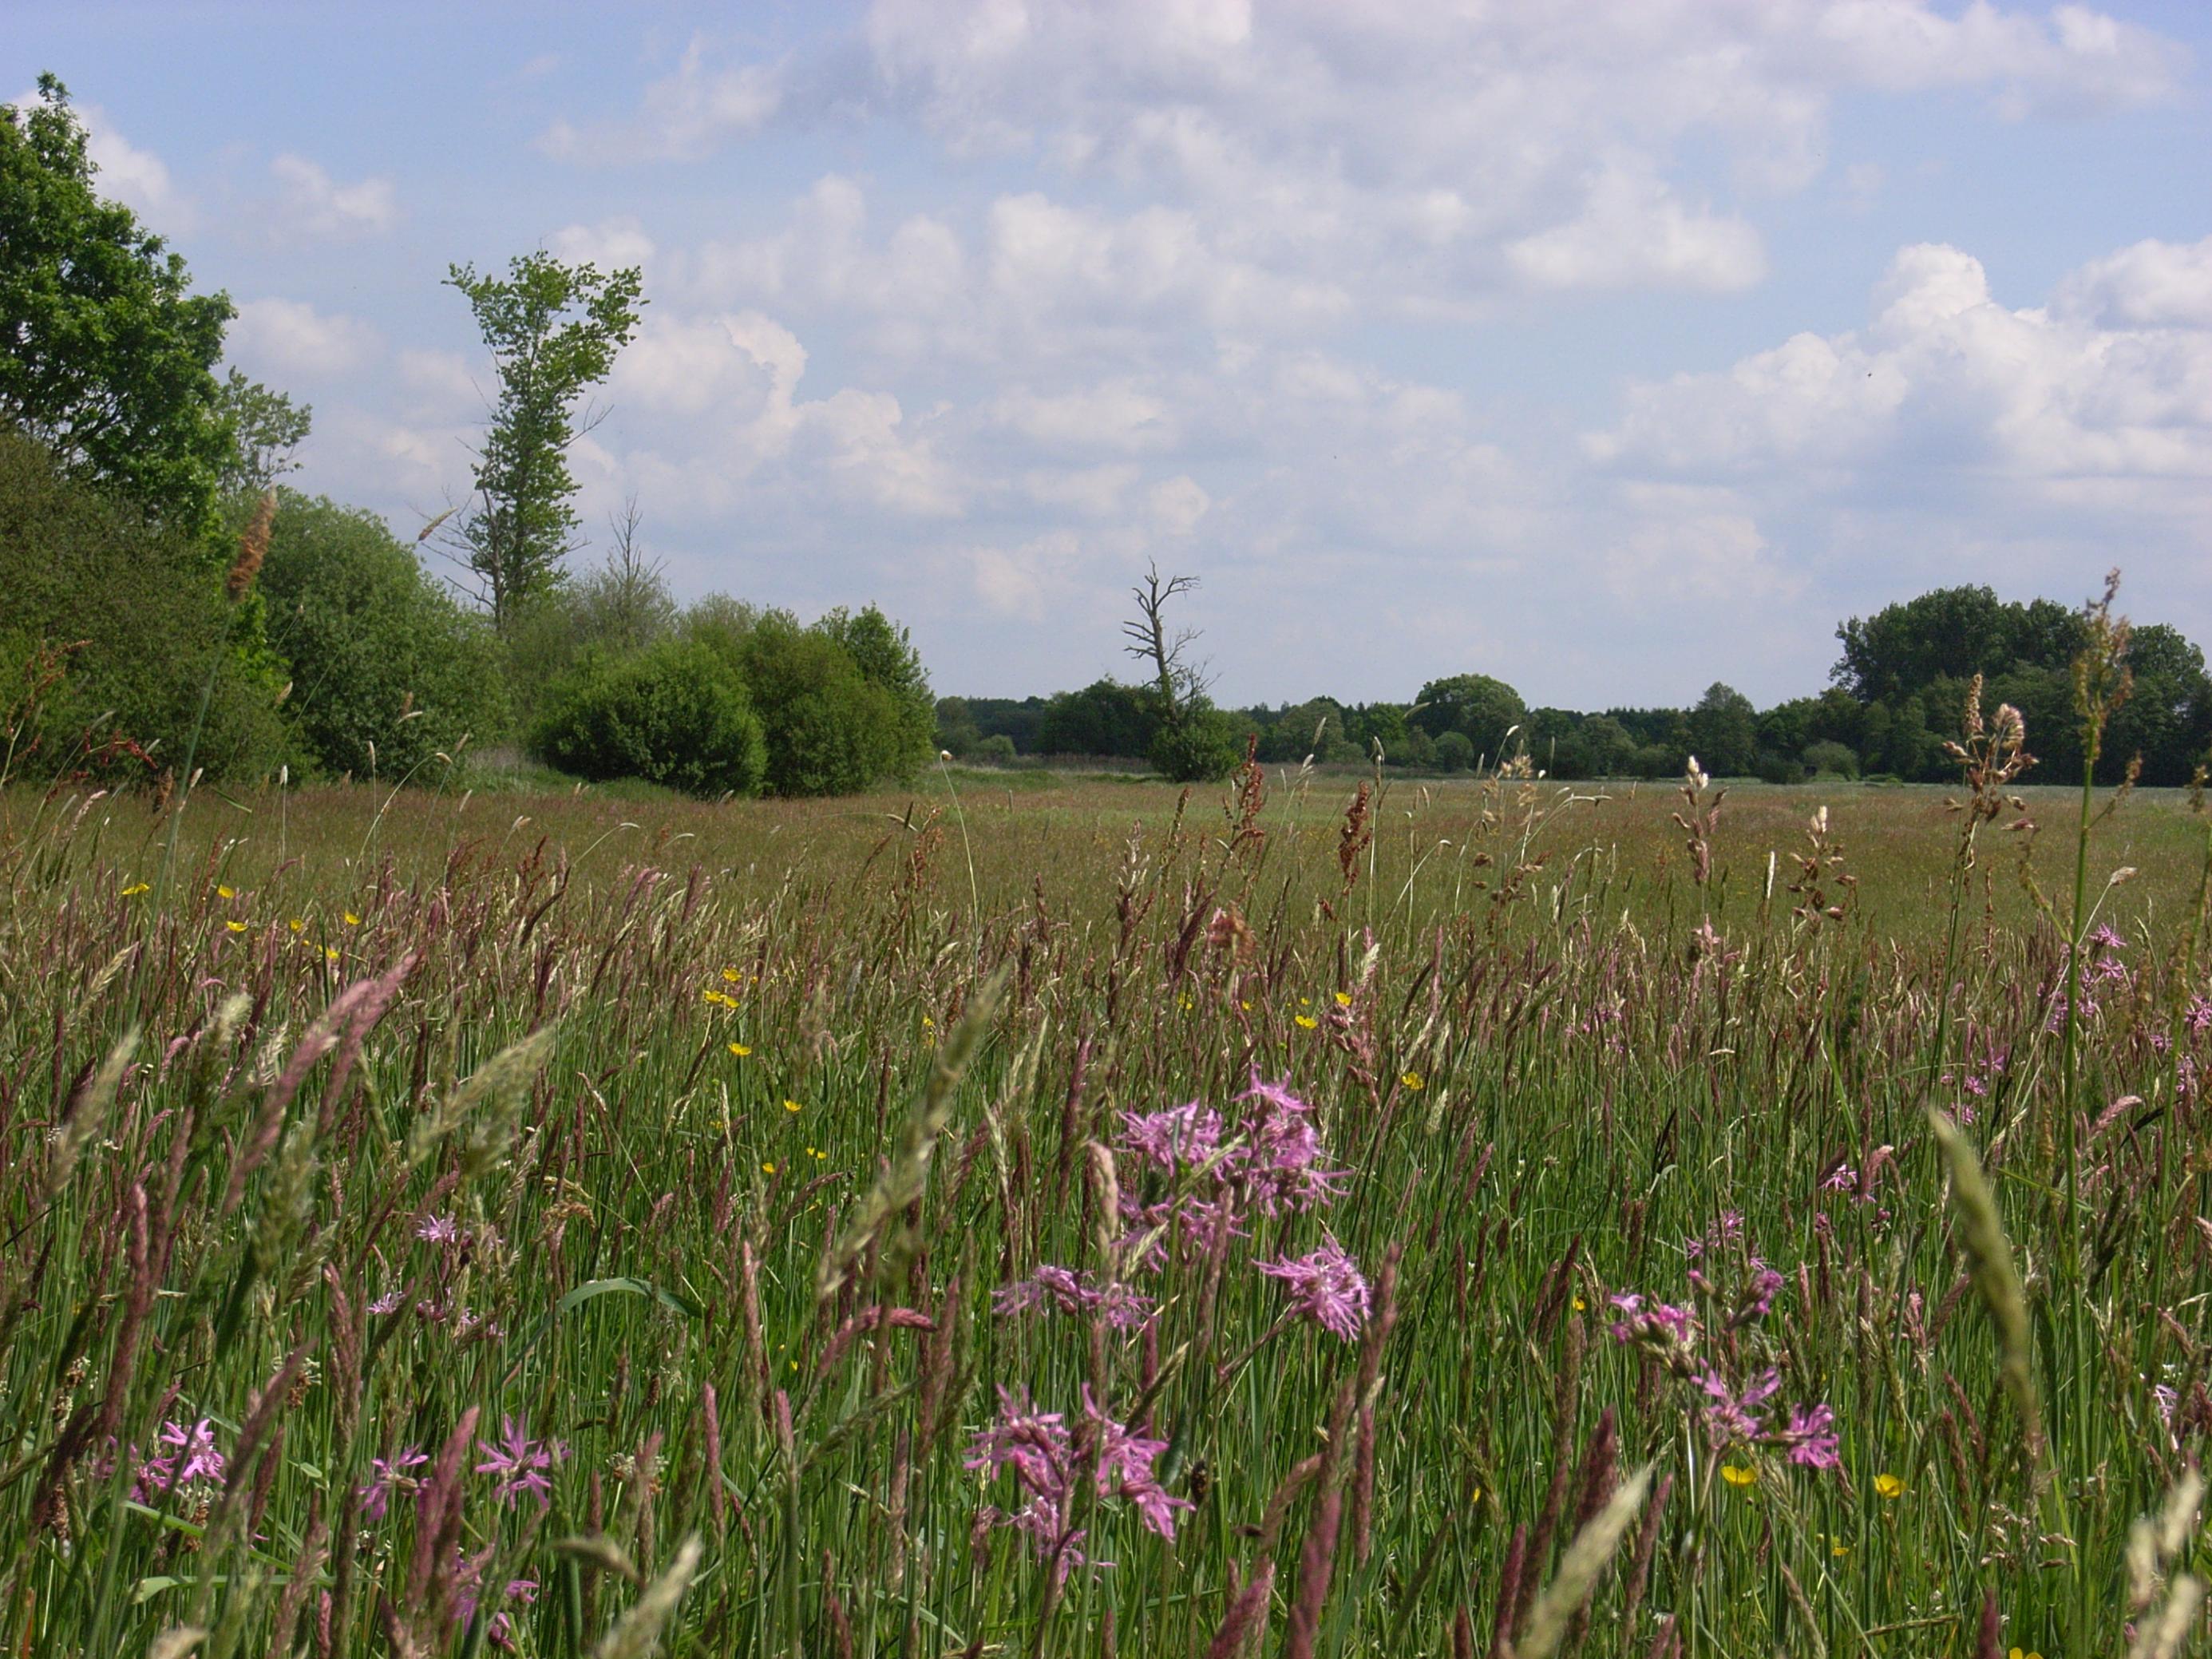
x: 1897, y: 692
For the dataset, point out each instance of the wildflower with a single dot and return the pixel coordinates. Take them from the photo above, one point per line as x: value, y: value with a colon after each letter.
x: 1177, y: 1134
x: 1732, y: 1416
x: 1326, y: 1286
x: 732, y: 976
x: 1305, y: 1022
x: 1344, y: 998
x: 136, y: 888
x: 192, y: 1458
x: 791, y: 1106
x: 388, y: 1476
x: 520, y: 1463
x: 1886, y: 1486
x: 467, y: 1577
x: 225, y: 892
x: 1844, y: 1179
x: 330, y: 953
x: 438, y: 1230
x: 351, y: 920
x: 1737, y: 1475
x: 1072, y: 1292
x: 1811, y: 1438
x: 235, y: 927
x: 1285, y: 1170
x: 1413, y: 1080
x: 768, y: 1168
x: 1662, y: 1322
x: 1126, y: 1461
x: 388, y: 1303
x: 297, y: 925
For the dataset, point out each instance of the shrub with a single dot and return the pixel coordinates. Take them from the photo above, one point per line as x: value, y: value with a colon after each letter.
x: 138, y: 614
x: 997, y: 749
x: 1203, y: 744
x: 1830, y: 759
x: 387, y: 670
x: 673, y: 714
x: 1770, y: 768
x: 1455, y: 752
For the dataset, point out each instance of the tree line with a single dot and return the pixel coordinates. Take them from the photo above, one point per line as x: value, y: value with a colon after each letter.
x: 1897, y: 694
x: 168, y: 603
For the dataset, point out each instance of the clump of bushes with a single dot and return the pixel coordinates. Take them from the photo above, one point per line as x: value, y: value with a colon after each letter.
x: 674, y: 714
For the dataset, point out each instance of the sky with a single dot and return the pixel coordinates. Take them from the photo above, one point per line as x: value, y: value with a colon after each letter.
x: 1612, y: 349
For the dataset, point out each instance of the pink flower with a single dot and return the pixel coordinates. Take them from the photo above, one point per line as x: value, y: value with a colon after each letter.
x: 1732, y: 1416
x: 388, y: 1477
x: 192, y: 1456
x: 1285, y: 1171
x: 1070, y: 1292
x: 1326, y: 1287
x: 1174, y: 1136
x: 439, y: 1229
x: 1126, y: 1461
x: 1811, y: 1438
x: 520, y: 1463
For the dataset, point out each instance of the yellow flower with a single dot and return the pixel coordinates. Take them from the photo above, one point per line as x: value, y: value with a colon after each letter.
x: 136, y: 888
x: 928, y: 1022
x: 1736, y: 1475
x: 1836, y: 1548
x: 790, y: 1105
x: 1306, y: 1002
x: 225, y: 892
x: 733, y: 975
x: 1889, y: 1486
x: 1344, y: 998
x: 297, y: 926
x: 2017, y: 1654
x: 768, y: 1169
x: 235, y: 927
x: 330, y: 953
x: 1580, y: 1305
x: 1186, y: 1004
x: 1305, y: 1022
x: 352, y: 920
x: 1414, y: 1081
x: 739, y: 1050
x: 1246, y: 1006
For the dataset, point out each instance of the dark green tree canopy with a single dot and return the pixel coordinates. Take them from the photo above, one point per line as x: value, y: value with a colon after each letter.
x: 107, y: 357
x: 1481, y: 708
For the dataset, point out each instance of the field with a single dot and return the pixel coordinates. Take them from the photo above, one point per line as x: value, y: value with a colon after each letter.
x: 1056, y: 1216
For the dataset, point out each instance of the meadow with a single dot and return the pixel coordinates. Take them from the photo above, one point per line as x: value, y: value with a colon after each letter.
x: 1032, y: 1215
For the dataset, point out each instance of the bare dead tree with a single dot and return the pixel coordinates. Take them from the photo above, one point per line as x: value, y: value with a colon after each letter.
x: 1181, y: 681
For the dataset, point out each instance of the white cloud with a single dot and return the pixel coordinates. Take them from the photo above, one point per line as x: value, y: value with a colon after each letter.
x: 314, y: 205
x: 137, y: 178
x: 288, y: 337
x: 615, y: 244
x: 1632, y: 233
x: 682, y: 116
x: 1118, y: 415
x: 1946, y: 378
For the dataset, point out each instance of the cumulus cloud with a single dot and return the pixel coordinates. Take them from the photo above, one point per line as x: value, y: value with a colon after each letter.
x: 137, y: 178
x: 2113, y: 380
x: 312, y: 204
x: 1632, y: 233
x: 615, y: 244
x: 289, y: 336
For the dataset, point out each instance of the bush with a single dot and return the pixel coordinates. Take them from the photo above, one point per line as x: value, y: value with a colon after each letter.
x: 139, y: 619
x: 673, y: 714
x: 387, y: 670
x: 997, y: 749
x: 830, y: 728
x: 1455, y: 752
x: 1830, y: 759
x: 1770, y: 768
x: 1202, y: 746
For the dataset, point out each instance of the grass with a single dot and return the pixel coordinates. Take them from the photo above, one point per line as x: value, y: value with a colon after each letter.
x: 653, y: 1172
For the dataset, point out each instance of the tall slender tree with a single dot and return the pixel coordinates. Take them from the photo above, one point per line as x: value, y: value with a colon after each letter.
x: 553, y: 331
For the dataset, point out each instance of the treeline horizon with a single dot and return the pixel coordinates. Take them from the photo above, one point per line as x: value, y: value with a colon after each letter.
x: 1897, y: 692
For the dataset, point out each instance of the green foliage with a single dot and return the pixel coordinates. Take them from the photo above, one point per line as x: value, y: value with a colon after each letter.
x: 1455, y: 752
x: 832, y: 724
x: 387, y: 671
x: 674, y: 715
x: 553, y: 331
x: 1724, y: 731
x: 1829, y: 759
x: 139, y: 621
x: 107, y: 357
x: 1482, y: 707
x: 957, y: 734
x: 265, y: 427
x: 1105, y: 718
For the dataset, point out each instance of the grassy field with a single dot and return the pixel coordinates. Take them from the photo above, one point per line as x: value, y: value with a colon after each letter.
x: 1042, y: 1217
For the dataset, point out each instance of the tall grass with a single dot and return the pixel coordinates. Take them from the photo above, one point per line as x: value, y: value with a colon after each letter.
x: 769, y: 1229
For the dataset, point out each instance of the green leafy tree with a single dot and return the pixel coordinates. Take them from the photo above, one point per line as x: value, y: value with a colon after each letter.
x: 125, y: 605
x: 266, y: 429
x: 888, y: 662
x: 106, y: 357
x: 553, y: 331
x: 957, y: 734
x: 387, y: 670
x: 1455, y: 752
x: 830, y: 729
x: 1484, y: 709
x: 674, y: 715
x: 1724, y: 731
x: 1104, y: 718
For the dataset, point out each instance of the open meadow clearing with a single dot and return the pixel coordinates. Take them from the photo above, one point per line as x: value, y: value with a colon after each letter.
x: 1036, y: 1216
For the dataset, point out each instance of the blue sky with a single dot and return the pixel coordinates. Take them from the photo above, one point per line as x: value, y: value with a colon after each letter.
x: 1612, y: 349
